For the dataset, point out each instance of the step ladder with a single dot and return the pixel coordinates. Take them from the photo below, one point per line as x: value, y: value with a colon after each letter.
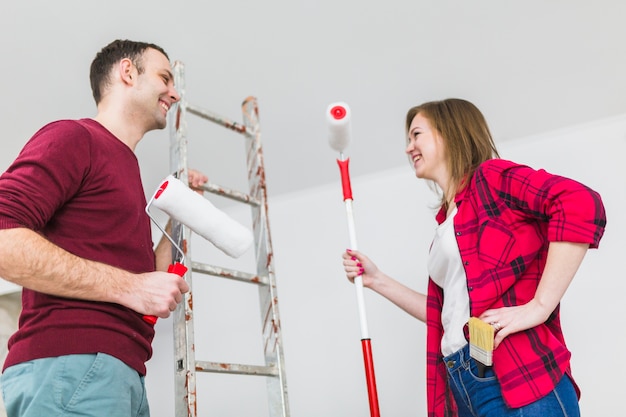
x: 186, y: 365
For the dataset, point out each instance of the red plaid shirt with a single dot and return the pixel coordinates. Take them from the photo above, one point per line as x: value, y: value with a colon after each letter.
x: 507, y: 215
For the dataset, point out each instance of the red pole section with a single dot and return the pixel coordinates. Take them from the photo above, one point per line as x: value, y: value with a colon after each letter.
x: 345, y: 178
x: 370, y: 376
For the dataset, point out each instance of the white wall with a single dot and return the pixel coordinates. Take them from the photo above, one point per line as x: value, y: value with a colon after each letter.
x: 394, y: 223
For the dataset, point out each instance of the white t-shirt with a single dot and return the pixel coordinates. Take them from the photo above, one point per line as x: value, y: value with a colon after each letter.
x: 446, y: 270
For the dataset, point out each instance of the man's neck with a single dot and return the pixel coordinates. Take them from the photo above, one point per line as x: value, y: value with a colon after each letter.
x: 125, y: 131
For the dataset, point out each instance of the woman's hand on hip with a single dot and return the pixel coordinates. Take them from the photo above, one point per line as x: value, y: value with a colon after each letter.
x: 509, y: 320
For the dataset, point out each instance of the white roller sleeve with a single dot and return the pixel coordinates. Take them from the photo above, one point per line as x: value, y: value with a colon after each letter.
x: 196, y: 212
x: 339, y: 128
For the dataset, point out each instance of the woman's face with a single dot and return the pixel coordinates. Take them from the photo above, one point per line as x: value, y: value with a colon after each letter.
x: 427, y: 151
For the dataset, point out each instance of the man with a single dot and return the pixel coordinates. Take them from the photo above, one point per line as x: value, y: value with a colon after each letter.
x: 75, y: 236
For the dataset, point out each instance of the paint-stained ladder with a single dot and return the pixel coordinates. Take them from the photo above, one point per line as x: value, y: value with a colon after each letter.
x: 186, y: 364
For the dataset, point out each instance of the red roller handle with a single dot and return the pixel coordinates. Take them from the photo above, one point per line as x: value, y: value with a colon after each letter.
x: 175, y: 268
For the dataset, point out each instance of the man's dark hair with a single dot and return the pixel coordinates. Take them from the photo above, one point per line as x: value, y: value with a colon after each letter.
x: 110, y: 55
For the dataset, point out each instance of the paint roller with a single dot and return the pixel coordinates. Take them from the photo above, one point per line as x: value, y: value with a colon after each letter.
x: 186, y: 206
x: 196, y: 212
x: 339, y: 126
x: 339, y: 134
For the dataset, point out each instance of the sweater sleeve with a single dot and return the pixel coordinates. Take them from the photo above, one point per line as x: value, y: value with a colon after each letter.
x: 47, y: 173
x: 573, y: 211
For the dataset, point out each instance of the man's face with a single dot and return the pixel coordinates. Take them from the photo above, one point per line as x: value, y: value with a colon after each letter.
x: 155, y: 90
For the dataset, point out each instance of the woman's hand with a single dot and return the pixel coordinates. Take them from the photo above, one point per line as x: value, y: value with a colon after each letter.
x: 355, y: 264
x: 509, y: 320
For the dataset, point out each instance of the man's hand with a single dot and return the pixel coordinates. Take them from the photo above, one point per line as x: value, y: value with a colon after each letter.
x: 155, y: 293
x: 196, y: 180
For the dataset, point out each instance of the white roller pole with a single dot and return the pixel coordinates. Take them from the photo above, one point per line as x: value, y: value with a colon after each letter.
x: 339, y: 133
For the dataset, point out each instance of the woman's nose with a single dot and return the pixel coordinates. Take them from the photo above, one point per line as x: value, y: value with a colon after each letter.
x: 409, y: 146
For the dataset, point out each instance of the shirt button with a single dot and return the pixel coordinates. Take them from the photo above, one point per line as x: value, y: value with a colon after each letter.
x: 466, y: 262
x: 458, y: 233
x: 470, y: 288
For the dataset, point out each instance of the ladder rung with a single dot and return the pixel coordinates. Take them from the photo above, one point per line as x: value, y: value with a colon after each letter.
x: 232, y: 194
x: 228, y: 273
x: 216, y: 118
x: 231, y: 368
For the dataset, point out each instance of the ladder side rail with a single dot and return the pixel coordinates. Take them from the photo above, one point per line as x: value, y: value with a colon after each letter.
x: 268, y: 299
x: 184, y: 377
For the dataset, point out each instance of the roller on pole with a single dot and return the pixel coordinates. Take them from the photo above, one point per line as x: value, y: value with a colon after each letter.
x: 339, y: 134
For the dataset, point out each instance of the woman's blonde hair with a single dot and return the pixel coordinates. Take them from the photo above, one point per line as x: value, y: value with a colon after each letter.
x: 465, y: 134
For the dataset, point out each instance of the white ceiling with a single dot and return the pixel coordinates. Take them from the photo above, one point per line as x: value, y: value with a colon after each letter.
x: 531, y: 66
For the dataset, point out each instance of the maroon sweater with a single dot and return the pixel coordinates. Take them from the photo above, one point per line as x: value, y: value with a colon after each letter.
x: 80, y: 187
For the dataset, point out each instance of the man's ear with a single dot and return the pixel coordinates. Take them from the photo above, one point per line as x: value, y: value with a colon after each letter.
x: 127, y: 71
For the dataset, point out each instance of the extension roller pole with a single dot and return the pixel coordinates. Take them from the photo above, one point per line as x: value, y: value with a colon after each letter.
x: 338, y: 117
x: 194, y: 211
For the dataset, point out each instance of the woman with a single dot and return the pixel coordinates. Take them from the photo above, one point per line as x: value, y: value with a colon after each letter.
x: 509, y: 242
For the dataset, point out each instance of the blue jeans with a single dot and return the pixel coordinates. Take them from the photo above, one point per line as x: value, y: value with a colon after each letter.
x: 482, y: 397
x: 94, y: 385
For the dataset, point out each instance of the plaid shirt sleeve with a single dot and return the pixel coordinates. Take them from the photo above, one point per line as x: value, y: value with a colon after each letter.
x: 572, y: 211
x: 507, y: 215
